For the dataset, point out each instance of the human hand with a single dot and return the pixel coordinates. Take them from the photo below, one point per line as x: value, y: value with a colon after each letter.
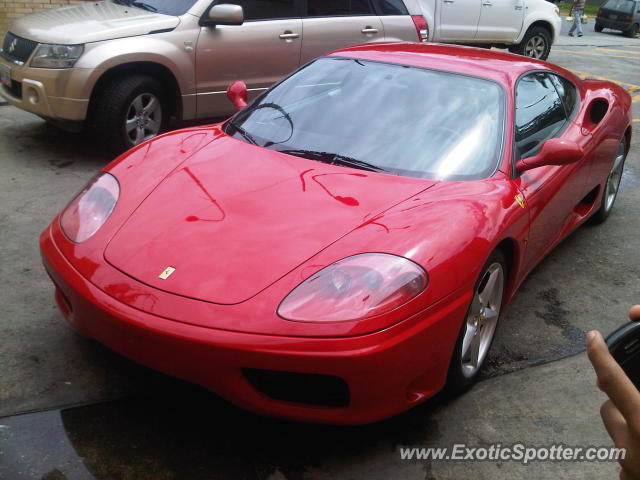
x: 621, y: 413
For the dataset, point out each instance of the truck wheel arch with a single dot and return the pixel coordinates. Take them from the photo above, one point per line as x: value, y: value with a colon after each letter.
x: 538, y: 23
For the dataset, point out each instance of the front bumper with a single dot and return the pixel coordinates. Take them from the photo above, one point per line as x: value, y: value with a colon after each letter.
x: 386, y: 372
x: 57, y: 94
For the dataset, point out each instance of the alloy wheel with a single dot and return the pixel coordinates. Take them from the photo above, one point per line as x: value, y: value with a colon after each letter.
x: 482, y: 319
x: 535, y: 47
x: 613, y: 181
x: 144, y: 118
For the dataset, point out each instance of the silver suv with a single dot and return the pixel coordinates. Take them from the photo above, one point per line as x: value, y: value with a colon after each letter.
x: 126, y: 67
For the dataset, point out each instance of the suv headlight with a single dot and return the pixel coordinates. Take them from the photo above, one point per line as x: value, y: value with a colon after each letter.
x: 56, y: 56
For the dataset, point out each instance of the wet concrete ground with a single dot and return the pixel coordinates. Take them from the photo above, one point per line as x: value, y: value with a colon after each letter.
x: 96, y: 415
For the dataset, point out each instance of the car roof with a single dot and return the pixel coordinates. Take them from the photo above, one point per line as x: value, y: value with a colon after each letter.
x: 492, y: 64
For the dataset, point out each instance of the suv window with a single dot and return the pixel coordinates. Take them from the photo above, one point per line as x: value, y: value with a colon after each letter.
x: 624, y: 6
x: 265, y: 9
x: 390, y: 7
x: 567, y: 92
x: 539, y: 113
x: 330, y: 8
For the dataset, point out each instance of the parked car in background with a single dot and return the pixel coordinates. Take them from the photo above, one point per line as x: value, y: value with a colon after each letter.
x: 526, y: 27
x: 125, y: 67
x: 623, y: 15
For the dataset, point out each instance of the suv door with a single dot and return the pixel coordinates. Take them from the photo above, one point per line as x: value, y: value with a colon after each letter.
x: 332, y: 24
x: 500, y: 20
x: 459, y: 19
x: 259, y: 52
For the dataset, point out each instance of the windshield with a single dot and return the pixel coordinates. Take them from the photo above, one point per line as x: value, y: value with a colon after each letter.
x: 624, y: 6
x: 383, y: 117
x: 166, y: 7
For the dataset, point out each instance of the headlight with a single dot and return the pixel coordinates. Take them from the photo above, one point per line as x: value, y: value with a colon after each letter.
x: 56, y: 56
x: 90, y: 209
x: 355, y: 288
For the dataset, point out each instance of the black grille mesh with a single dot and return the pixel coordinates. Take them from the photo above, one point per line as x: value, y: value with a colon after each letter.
x: 16, y: 48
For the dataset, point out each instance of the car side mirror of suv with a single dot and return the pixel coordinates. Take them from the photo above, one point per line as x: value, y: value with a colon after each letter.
x: 555, y: 151
x: 225, y: 14
x: 237, y: 93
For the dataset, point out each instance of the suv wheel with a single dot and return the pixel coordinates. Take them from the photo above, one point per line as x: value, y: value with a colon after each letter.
x: 633, y: 31
x: 598, y: 27
x: 129, y: 111
x: 535, y: 44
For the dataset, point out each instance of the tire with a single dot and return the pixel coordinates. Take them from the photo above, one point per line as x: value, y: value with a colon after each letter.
x: 612, y: 185
x: 598, y: 28
x: 633, y: 31
x: 482, y: 318
x: 536, y: 43
x: 128, y: 111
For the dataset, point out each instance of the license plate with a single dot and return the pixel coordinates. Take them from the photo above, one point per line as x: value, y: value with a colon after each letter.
x: 5, y: 75
x: 613, y: 17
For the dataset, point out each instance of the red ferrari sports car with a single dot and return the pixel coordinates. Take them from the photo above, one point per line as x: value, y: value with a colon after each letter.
x: 342, y: 247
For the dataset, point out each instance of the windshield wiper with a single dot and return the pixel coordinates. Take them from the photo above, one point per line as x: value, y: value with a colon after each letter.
x: 144, y: 6
x: 352, y: 162
x: 247, y: 136
x: 334, y: 159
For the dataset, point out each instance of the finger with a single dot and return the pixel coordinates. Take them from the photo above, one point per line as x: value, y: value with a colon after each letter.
x: 612, y: 380
x: 634, y: 313
x: 615, y: 424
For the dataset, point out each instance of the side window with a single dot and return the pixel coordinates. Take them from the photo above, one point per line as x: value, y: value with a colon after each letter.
x: 331, y: 8
x: 390, y: 7
x: 567, y: 92
x: 265, y: 9
x: 539, y: 113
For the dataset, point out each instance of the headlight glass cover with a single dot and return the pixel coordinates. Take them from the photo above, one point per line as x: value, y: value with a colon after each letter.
x: 88, y: 211
x: 56, y: 56
x: 355, y: 288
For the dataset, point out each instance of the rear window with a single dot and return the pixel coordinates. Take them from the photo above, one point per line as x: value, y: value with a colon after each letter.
x: 624, y: 6
x: 390, y: 7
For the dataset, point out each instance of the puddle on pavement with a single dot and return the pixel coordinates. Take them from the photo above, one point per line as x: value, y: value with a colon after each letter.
x: 184, y: 432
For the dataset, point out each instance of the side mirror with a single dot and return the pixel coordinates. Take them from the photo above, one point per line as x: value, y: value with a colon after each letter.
x: 226, y: 14
x: 555, y: 151
x: 237, y: 93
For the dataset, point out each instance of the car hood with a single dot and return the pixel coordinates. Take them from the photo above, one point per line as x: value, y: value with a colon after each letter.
x: 90, y: 22
x: 234, y: 218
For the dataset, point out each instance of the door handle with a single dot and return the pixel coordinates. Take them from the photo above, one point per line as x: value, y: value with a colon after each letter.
x: 518, y: 7
x: 487, y: 3
x: 289, y: 36
x: 368, y: 29
x: 448, y: 1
